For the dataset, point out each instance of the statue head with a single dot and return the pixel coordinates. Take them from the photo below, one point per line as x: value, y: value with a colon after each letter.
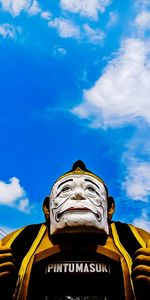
x: 79, y: 202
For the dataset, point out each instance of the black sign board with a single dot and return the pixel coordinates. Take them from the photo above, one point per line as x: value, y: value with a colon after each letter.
x: 76, y: 274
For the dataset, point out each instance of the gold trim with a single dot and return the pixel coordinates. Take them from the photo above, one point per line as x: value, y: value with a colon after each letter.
x: 138, y: 236
x: 57, y: 249
x: 22, y: 292
x: 123, y: 251
x: 79, y: 171
x: 128, y: 287
x: 10, y: 241
x: 120, y: 247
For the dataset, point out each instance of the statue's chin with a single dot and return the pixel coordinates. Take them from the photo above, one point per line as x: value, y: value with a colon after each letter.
x: 78, y: 229
x: 79, y: 225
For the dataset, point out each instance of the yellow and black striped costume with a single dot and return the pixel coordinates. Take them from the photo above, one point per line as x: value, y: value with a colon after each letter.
x: 26, y: 241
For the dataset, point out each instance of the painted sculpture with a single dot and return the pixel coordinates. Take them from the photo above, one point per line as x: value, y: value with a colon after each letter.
x: 79, y: 249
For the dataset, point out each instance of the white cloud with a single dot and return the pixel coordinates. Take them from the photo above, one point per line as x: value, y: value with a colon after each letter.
x: 94, y: 35
x: 113, y: 18
x: 9, y: 192
x: 137, y: 181
x: 65, y: 28
x: 121, y: 94
x: 23, y: 205
x: 9, y: 31
x: 135, y: 168
x: 13, y: 195
x: 15, y: 7
x: 62, y: 50
x: 143, y: 221
x: 143, y: 3
x: 68, y: 29
x: 34, y: 8
x: 46, y: 15
x: 88, y: 8
x: 59, y: 50
x: 143, y: 20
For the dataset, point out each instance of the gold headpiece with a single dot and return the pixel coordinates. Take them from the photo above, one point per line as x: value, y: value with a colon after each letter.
x: 79, y: 171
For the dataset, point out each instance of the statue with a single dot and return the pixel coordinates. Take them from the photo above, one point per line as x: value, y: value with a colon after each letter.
x: 79, y: 252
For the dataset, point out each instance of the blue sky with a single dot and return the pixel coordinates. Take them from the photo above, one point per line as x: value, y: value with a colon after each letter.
x: 74, y: 84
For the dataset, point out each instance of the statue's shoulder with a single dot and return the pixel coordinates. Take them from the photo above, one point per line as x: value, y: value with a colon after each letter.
x: 143, y: 233
x: 137, y: 237
x: 30, y: 231
x: 5, y: 240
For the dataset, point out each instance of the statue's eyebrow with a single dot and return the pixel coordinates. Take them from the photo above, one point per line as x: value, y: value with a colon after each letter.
x: 92, y: 182
x: 64, y: 182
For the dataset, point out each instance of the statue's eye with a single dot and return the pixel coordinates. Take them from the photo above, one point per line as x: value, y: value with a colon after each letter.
x: 91, y: 189
x: 66, y: 189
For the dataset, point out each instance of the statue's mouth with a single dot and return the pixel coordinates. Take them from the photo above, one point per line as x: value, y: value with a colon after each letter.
x: 78, y: 210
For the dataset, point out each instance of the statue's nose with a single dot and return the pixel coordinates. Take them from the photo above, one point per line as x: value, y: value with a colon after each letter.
x: 78, y: 196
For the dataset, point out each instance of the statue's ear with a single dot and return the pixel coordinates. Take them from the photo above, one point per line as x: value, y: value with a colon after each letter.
x: 111, y: 207
x: 46, y: 208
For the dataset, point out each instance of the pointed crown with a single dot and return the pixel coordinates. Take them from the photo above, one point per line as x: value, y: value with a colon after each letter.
x: 79, y: 168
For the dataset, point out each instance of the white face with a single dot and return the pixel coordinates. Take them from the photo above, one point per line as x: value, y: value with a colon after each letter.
x: 78, y: 203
